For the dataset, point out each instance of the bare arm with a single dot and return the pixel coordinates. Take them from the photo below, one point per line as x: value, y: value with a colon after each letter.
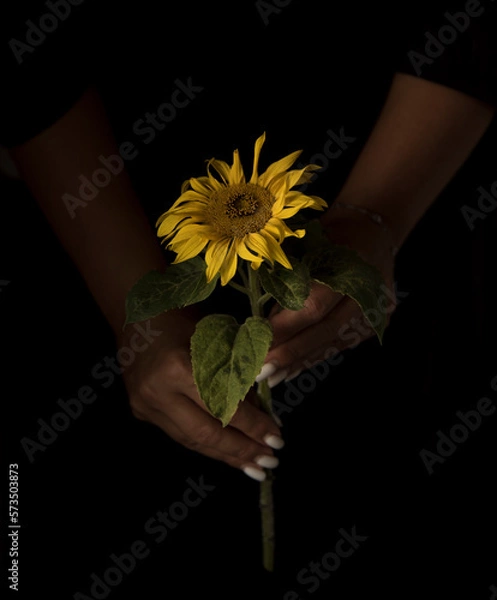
x: 109, y: 240
x: 112, y: 245
x: 424, y: 134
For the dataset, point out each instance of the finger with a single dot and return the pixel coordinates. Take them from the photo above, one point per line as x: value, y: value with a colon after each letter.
x: 250, y: 468
x: 203, y: 432
x: 346, y: 339
x: 334, y: 331
x: 255, y: 424
x: 248, y: 419
x: 287, y: 323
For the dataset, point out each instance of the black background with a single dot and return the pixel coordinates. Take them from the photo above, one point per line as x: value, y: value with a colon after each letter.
x: 352, y: 446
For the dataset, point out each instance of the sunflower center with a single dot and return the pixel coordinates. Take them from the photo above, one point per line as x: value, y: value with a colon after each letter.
x: 242, y: 204
x: 240, y: 209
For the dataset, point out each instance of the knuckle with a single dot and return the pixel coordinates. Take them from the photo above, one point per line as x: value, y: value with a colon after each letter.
x: 260, y: 430
x: 137, y: 408
x: 189, y: 443
x: 207, y: 436
x: 290, y: 354
x: 177, y: 367
x: 246, y: 453
x: 316, y: 306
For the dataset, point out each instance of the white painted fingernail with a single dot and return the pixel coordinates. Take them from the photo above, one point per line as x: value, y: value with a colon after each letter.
x: 253, y: 473
x: 273, y: 441
x: 268, y: 462
x: 277, y: 378
x: 277, y: 420
x: 294, y: 374
x: 267, y: 370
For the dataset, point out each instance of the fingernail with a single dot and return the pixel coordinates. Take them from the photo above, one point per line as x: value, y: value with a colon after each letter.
x: 277, y: 420
x: 253, y: 473
x: 273, y: 441
x: 267, y: 370
x: 268, y: 462
x: 277, y: 377
x: 294, y: 374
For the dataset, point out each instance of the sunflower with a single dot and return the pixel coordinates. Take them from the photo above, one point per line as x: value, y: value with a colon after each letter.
x: 230, y: 217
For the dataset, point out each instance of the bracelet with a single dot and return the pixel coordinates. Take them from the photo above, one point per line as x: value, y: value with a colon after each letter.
x: 373, y: 216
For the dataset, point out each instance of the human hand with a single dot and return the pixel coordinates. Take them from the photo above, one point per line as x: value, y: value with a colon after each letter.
x: 329, y: 322
x: 162, y: 391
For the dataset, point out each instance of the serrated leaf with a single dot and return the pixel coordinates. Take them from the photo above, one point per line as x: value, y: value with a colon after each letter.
x: 315, y: 237
x: 289, y: 287
x: 180, y: 285
x: 226, y: 359
x: 345, y: 272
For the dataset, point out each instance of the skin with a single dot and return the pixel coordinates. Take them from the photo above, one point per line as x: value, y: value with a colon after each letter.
x: 423, y: 135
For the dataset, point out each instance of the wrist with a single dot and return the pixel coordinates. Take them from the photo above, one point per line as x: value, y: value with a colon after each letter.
x: 173, y: 321
x: 348, y: 214
x: 361, y: 231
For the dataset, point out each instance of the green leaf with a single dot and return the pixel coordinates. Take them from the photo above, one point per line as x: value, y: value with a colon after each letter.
x: 226, y: 359
x: 182, y: 284
x: 289, y: 287
x: 315, y: 237
x: 345, y: 272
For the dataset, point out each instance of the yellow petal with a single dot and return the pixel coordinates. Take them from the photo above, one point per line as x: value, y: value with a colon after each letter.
x: 169, y: 224
x: 222, y: 168
x: 236, y: 171
x: 309, y: 174
x: 244, y: 252
x: 280, y: 202
x: 257, y: 243
x: 257, y: 151
x: 317, y: 203
x: 193, y: 229
x: 190, y: 196
x: 228, y: 268
x: 276, y: 228
x: 188, y: 248
x: 280, y: 230
x: 202, y: 185
x: 293, y: 177
x: 295, y: 201
x: 214, y: 257
x: 286, y: 213
x: 275, y: 251
x: 278, y: 185
x: 278, y: 167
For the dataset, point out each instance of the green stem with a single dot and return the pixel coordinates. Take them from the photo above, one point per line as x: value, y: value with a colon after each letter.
x: 263, y: 299
x: 266, y: 503
x: 242, y: 274
x: 239, y: 287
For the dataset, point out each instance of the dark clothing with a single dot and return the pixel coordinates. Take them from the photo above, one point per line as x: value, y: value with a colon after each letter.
x: 256, y: 62
x: 183, y: 83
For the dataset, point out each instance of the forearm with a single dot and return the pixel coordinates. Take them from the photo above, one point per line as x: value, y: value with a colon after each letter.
x: 110, y: 239
x: 423, y: 135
